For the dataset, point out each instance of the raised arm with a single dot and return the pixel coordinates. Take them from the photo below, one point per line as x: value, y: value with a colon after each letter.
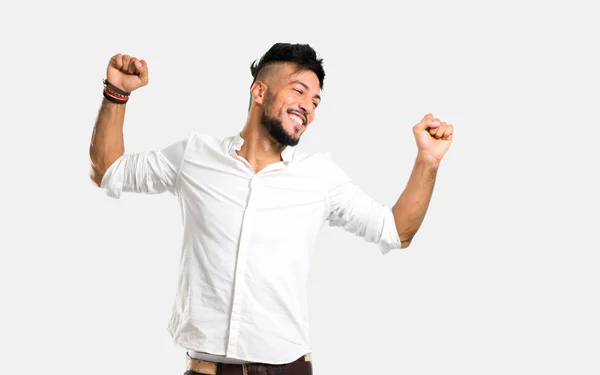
x: 125, y: 74
x: 433, y: 139
x: 393, y: 228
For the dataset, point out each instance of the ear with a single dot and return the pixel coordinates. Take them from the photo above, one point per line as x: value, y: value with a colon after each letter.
x: 258, y: 90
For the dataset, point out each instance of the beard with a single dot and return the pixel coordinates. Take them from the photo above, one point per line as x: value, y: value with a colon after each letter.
x: 275, y: 127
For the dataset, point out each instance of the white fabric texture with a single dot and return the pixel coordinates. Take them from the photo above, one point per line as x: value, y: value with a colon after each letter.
x: 248, y: 239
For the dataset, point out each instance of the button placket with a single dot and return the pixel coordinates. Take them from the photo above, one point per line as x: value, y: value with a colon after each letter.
x: 240, y: 272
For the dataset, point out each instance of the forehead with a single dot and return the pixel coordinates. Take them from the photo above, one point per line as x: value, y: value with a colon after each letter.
x: 290, y: 74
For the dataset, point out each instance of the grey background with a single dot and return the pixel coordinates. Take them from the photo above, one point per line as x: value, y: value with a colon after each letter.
x: 501, y: 278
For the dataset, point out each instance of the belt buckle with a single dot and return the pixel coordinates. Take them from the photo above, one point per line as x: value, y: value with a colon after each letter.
x: 201, y: 366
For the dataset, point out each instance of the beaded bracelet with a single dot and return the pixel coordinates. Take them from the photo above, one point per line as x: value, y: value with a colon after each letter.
x: 115, y: 88
x: 114, y: 97
x: 114, y: 94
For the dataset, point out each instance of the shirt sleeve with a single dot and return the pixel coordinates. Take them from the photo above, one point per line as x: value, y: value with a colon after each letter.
x: 148, y: 172
x: 358, y: 213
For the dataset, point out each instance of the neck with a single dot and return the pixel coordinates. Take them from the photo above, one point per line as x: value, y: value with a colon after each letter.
x: 259, y: 148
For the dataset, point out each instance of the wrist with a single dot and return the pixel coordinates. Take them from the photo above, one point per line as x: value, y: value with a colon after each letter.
x: 115, y: 94
x: 428, y: 160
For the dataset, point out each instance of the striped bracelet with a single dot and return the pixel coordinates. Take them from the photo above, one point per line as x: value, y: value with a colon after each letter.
x: 114, y: 94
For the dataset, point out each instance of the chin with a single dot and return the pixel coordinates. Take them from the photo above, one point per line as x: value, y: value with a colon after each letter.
x: 282, y: 132
x: 295, y: 135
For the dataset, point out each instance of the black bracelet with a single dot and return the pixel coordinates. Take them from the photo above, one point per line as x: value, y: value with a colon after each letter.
x: 113, y: 99
x: 115, y: 89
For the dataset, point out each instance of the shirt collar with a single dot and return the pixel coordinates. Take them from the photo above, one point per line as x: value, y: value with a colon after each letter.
x: 287, y: 154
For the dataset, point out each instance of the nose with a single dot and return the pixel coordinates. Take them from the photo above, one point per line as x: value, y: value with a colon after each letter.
x: 307, y: 107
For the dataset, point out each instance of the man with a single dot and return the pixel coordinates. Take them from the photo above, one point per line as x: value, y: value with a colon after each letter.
x: 252, y: 206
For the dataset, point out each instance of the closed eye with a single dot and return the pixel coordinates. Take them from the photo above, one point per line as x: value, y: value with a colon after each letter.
x: 298, y: 91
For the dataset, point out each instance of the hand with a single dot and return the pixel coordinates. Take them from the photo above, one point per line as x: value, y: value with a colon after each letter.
x: 126, y: 72
x: 433, y: 137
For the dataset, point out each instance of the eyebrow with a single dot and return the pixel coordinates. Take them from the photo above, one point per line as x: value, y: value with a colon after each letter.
x: 306, y: 87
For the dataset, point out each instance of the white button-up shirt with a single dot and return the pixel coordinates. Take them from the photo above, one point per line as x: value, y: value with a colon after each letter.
x: 248, y: 239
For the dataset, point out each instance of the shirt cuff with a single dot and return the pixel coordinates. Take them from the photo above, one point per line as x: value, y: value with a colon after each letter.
x: 112, y: 181
x: 389, y: 234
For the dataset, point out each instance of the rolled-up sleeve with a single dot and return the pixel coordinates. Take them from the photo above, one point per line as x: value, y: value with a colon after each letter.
x: 147, y: 172
x: 358, y: 213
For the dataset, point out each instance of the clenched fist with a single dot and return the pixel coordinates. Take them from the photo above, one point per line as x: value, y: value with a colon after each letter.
x: 433, y: 137
x: 127, y: 73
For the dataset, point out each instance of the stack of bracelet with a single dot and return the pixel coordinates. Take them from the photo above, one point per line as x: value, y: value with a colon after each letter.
x: 114, y: 94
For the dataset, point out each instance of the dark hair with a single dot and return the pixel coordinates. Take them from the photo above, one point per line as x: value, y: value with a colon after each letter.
x: 303, y: 55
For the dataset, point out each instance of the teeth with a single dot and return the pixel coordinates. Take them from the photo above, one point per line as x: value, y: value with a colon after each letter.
x: 297, y: 119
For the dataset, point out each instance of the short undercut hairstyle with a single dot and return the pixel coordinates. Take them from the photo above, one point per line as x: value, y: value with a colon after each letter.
x: 303, y: 55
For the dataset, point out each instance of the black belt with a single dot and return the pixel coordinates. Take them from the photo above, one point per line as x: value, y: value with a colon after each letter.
x: 301, y: 366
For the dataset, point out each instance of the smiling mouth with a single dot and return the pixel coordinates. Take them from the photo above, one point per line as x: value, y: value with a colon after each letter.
x: 297, y: 118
